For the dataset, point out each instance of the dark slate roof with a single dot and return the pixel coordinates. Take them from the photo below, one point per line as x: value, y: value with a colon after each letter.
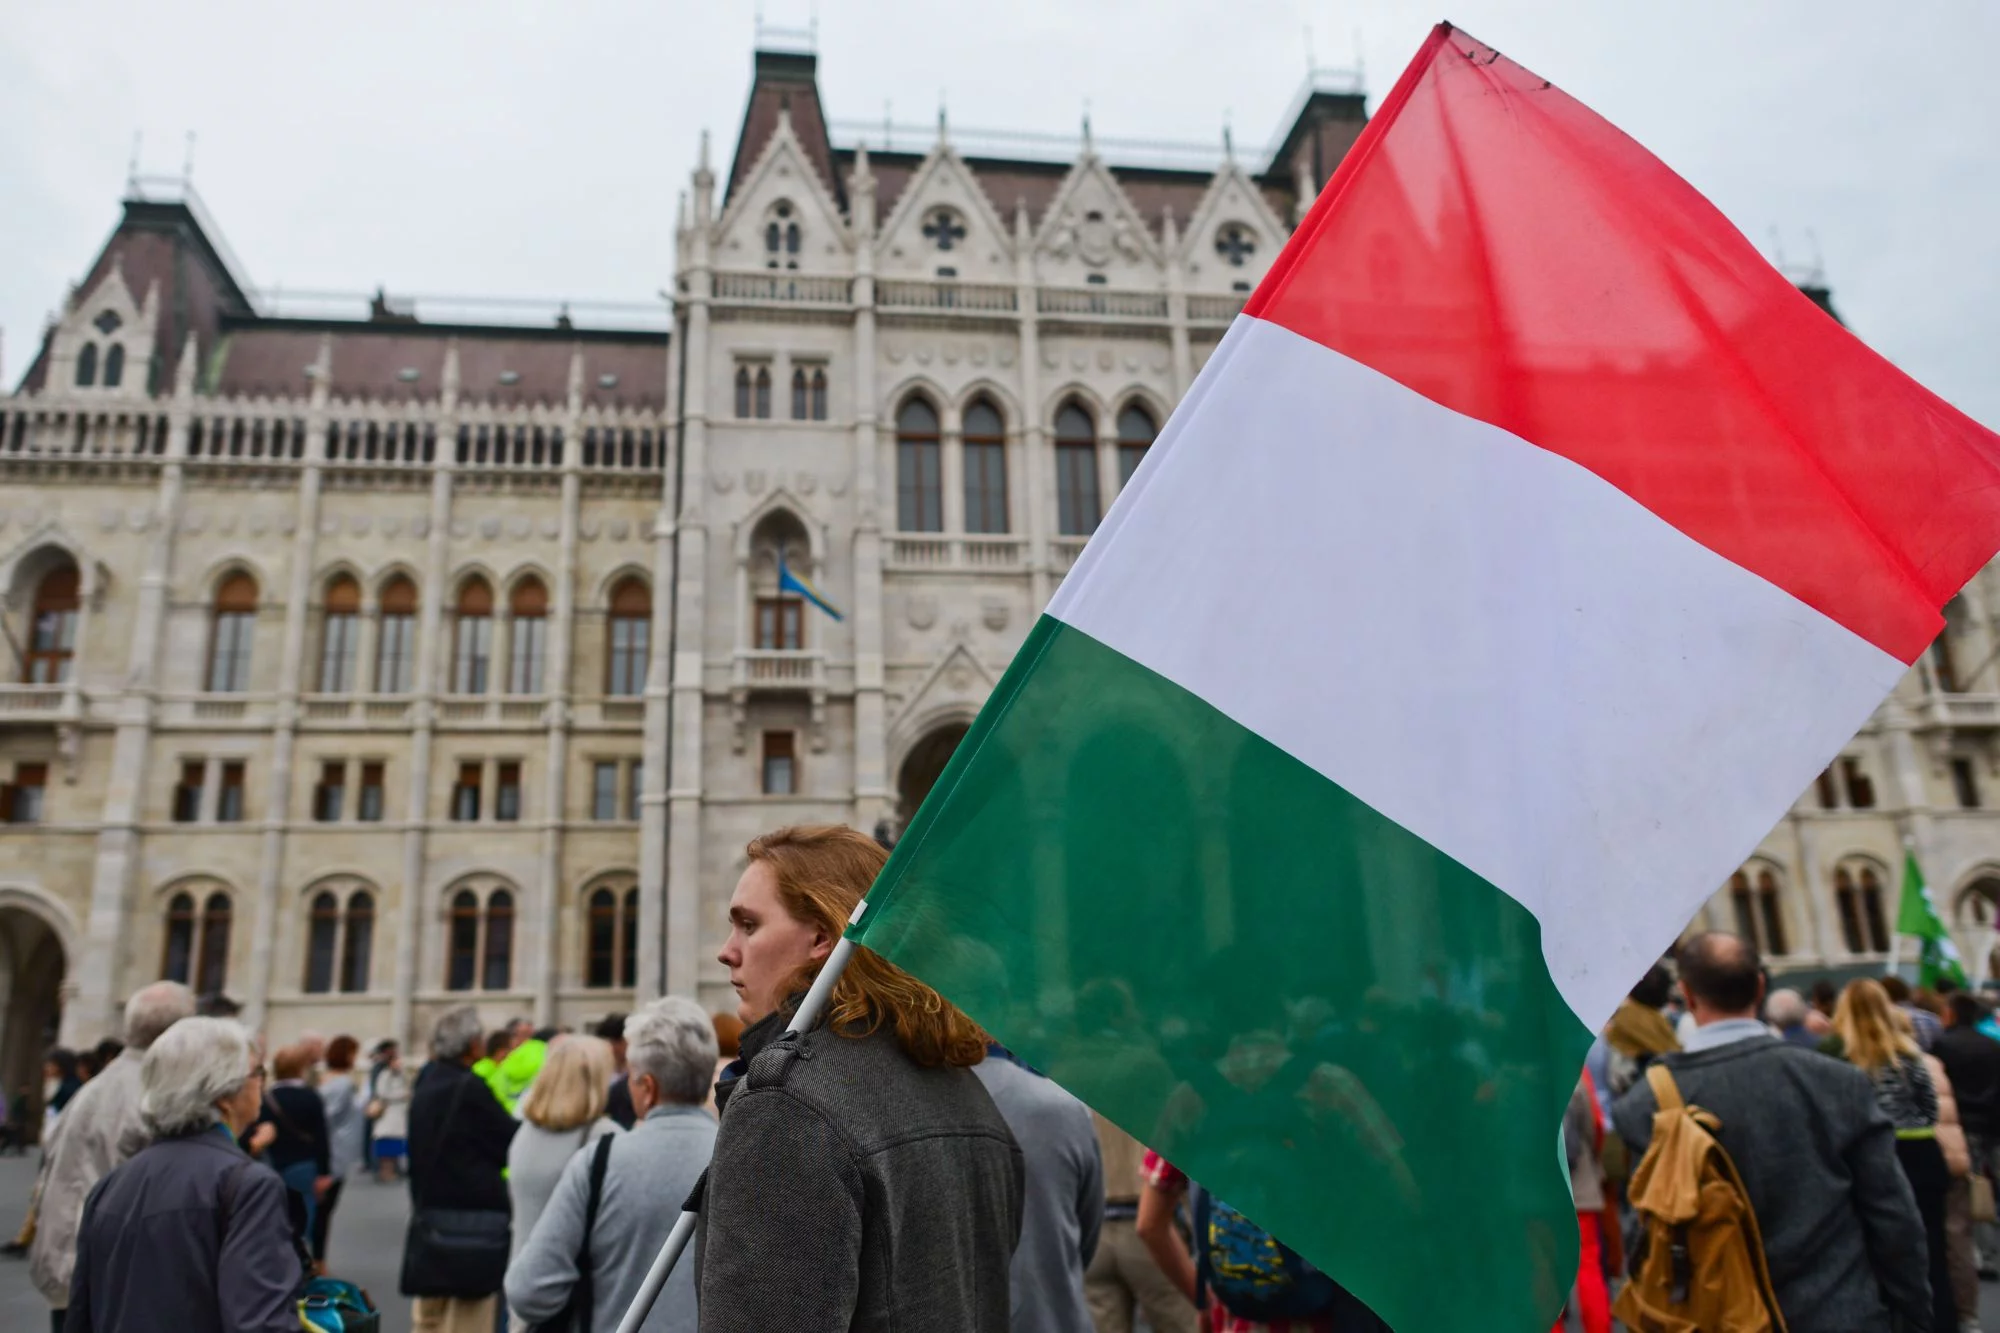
x: 503, y: 366
x: 785, y: 83
x: 164, y: 243
x: 247, y: 354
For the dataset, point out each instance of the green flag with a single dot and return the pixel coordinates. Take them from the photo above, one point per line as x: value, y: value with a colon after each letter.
x: 1917, y: 915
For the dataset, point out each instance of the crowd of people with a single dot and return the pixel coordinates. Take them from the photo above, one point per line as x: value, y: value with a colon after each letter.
x: 1862, y: 1125
x: 894, y: 1167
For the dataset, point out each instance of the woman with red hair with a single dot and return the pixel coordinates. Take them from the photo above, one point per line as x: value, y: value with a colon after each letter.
x: 862, y: 1177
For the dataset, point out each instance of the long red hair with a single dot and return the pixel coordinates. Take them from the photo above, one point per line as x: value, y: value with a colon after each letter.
x: 822, y: 871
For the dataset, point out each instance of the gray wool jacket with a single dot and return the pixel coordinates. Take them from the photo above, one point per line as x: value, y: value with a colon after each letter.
x: 853, y: 1190
x: 1818, y: 1158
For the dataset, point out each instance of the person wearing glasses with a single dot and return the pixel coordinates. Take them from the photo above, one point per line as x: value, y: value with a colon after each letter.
x: 191, y: 1233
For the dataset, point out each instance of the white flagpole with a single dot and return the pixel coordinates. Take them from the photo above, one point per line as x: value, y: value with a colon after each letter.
x: 683, y: 1232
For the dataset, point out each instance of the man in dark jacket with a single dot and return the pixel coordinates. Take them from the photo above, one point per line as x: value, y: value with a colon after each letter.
x: 1818, y: 1158
x: 1972, y: 1061
x: 458, y: 1156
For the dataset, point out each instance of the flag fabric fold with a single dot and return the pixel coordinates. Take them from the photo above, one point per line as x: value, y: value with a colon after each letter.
x: 792, y: 583
x: 1534, y: 543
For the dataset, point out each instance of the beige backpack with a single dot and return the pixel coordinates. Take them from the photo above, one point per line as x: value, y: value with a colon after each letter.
x: 1704, y: 1268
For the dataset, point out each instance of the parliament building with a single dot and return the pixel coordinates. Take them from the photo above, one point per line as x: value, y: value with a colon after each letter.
x: 368, y: 659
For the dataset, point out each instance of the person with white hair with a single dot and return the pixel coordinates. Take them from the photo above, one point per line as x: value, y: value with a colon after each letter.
x: 101, y: 1128
x: 190, y: 1233
x: 1785, y: 1010
x: 624, y: 1192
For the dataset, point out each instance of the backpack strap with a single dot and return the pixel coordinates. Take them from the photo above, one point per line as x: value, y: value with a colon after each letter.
x: 1665, y: 1090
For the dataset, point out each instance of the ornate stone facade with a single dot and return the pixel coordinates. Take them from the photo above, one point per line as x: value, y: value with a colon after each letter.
x: 409, y: 662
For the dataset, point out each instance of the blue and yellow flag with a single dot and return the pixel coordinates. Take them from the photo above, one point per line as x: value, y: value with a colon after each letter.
x: 790, y: 582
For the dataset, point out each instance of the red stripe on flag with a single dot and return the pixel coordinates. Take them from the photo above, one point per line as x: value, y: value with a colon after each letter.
x: 1492, y: 243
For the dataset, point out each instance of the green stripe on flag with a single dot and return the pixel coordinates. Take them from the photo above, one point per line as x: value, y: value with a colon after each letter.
x: 1314, y: 1013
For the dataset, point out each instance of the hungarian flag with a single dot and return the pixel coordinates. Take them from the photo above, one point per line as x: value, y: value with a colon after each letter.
x: 1518, y: 556
x: 1917, y: 916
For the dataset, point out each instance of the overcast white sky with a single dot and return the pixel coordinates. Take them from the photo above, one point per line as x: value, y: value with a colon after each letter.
x: 515, y: 149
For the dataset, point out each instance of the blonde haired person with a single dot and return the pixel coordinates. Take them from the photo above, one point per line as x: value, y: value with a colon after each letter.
x: 561, y: 1113
x: 862, y: 1177
x: 1875, y: 1043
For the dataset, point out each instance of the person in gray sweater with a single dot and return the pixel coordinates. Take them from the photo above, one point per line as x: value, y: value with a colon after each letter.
x: 1063, y: 1208
x: 1817, y: 1156
x: 670, y: 1059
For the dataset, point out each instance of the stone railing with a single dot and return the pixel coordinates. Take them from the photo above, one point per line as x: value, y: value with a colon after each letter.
x: 779, y: 668
x: 1002, y: 554
x: 1102, y: 302
x: 1962, y: 711
x: 31, y: 700
x: 975, y: 297
x: 35, y: 430
x: 1063, y: 551
x: 788, y: 287
x: 1214, y: 309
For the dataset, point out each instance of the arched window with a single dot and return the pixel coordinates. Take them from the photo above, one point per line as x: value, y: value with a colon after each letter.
x: 462, y: 961
x: 1759, y: 913
x: 338, y: 633
x: 611, y: 938
x: 1944, y: 664
x: 985, y: 469
x: 1857, y: 891
x: 743, y: 391
x: 396, y: 649
x: 801, y: 394
x: 211, y: 968
x: 497, y: 957
x: 631, y: 637
x: 114, y: 366
x: 919, y: 494
x: 86, y: 366
x: 52, y: 631
x: 762, y: 406
x: 781, y: 237
x: 1135, y: 436
x: 472, y: 644
x: 601, y: 939
x: 177, y: 956
x: 818, y: 394
x: 357, y: 945
x: 777, y: 614
x: 322, y: 942
x: 628, y: 949
x: 1077, y: 508
x: 528, y: 633
x: 235, y: 627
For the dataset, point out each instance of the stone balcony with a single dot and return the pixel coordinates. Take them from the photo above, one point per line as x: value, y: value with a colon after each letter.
x: 1959, y: 712
x: 1003, y: 554
x: 758, y: 670
x: 32, y: 702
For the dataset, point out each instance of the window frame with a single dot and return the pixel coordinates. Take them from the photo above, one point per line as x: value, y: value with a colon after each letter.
x: 1079, y: 501
x: 984, y: 451
x: 52, y: 626
x: 603, y: 802
x: 919, y: 466
x: 231, y: 800
x: 780, y: 748
x: 232, y: 634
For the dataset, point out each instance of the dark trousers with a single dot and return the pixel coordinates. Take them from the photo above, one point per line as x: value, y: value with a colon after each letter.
x: 56, y: 1319
x: 1923, y: 1165
x: 322, y: 1222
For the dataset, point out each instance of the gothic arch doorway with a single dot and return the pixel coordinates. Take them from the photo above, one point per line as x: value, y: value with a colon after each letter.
x: 32, y: 966
x: 1978, y: 919
x: 922, y: 767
